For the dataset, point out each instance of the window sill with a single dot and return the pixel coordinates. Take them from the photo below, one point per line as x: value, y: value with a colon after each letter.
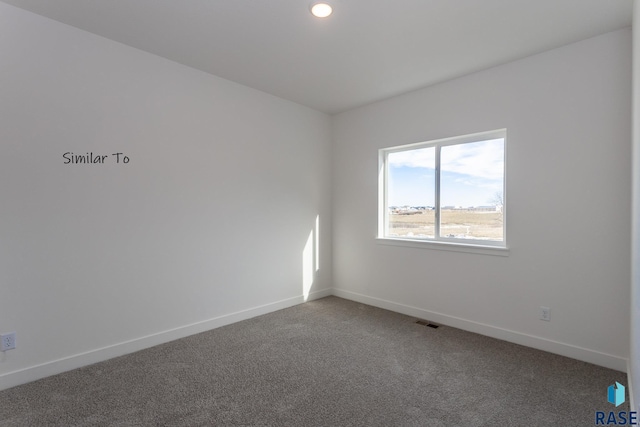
x: 445, y: 246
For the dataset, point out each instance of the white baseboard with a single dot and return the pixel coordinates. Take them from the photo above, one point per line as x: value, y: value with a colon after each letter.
x: 44, y: 370
x: 37, y: 372
x: 574, y: 352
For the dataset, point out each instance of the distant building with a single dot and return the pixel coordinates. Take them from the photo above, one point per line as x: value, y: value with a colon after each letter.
x: 487, y: 208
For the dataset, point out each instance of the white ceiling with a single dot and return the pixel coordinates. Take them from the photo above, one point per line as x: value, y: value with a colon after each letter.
x: 366, y: 51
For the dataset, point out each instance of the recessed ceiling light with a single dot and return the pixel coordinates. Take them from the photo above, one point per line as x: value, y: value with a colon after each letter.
x: 321, y: 9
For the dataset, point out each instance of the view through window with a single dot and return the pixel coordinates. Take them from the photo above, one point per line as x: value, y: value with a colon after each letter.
x: 447, y: 190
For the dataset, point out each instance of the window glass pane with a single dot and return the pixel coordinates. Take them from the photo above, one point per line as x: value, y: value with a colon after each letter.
x: 411, y: 193
x: 471, y: 190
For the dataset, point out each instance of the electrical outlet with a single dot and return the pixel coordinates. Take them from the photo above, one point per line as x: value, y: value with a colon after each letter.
x: 545, y: 314
x: 7, y: 341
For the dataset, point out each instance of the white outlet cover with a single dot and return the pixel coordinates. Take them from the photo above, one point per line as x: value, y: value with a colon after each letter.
x: 545, y: 313
x: 7, y: 341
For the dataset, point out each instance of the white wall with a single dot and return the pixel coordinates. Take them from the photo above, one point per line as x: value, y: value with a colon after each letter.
x: 634, y: 365
x: 206, y: 225
x: 209, y: 222
x: 567, y: 112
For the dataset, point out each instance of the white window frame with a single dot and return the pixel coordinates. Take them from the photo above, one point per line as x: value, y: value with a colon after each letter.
x: 489, y: 247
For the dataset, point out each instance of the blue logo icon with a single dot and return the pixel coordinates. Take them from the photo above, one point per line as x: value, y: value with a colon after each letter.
x: 615, y: 394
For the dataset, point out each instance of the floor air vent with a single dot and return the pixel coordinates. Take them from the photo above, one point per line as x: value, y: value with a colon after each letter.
x: 427, y: 323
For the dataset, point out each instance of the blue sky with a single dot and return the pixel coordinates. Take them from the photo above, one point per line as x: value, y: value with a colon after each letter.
x: 472, y: 174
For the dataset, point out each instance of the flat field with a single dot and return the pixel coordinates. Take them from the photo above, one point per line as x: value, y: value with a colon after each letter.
x: 460, y: 223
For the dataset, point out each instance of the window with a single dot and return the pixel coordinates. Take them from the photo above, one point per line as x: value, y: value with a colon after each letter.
x: 445, y: 191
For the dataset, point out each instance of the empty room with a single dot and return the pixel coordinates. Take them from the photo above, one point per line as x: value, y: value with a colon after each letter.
x: 301, y: 213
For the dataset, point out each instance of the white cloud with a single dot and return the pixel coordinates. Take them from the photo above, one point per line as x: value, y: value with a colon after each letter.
x: 479, y: 159
x: 492, y: 184
x: 421, y: 158
x: 483, y: 159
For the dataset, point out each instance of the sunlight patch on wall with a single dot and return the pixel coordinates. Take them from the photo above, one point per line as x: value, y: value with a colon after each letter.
x: 307, y: 267
x: 317, y: 237
x: 311, y: 259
